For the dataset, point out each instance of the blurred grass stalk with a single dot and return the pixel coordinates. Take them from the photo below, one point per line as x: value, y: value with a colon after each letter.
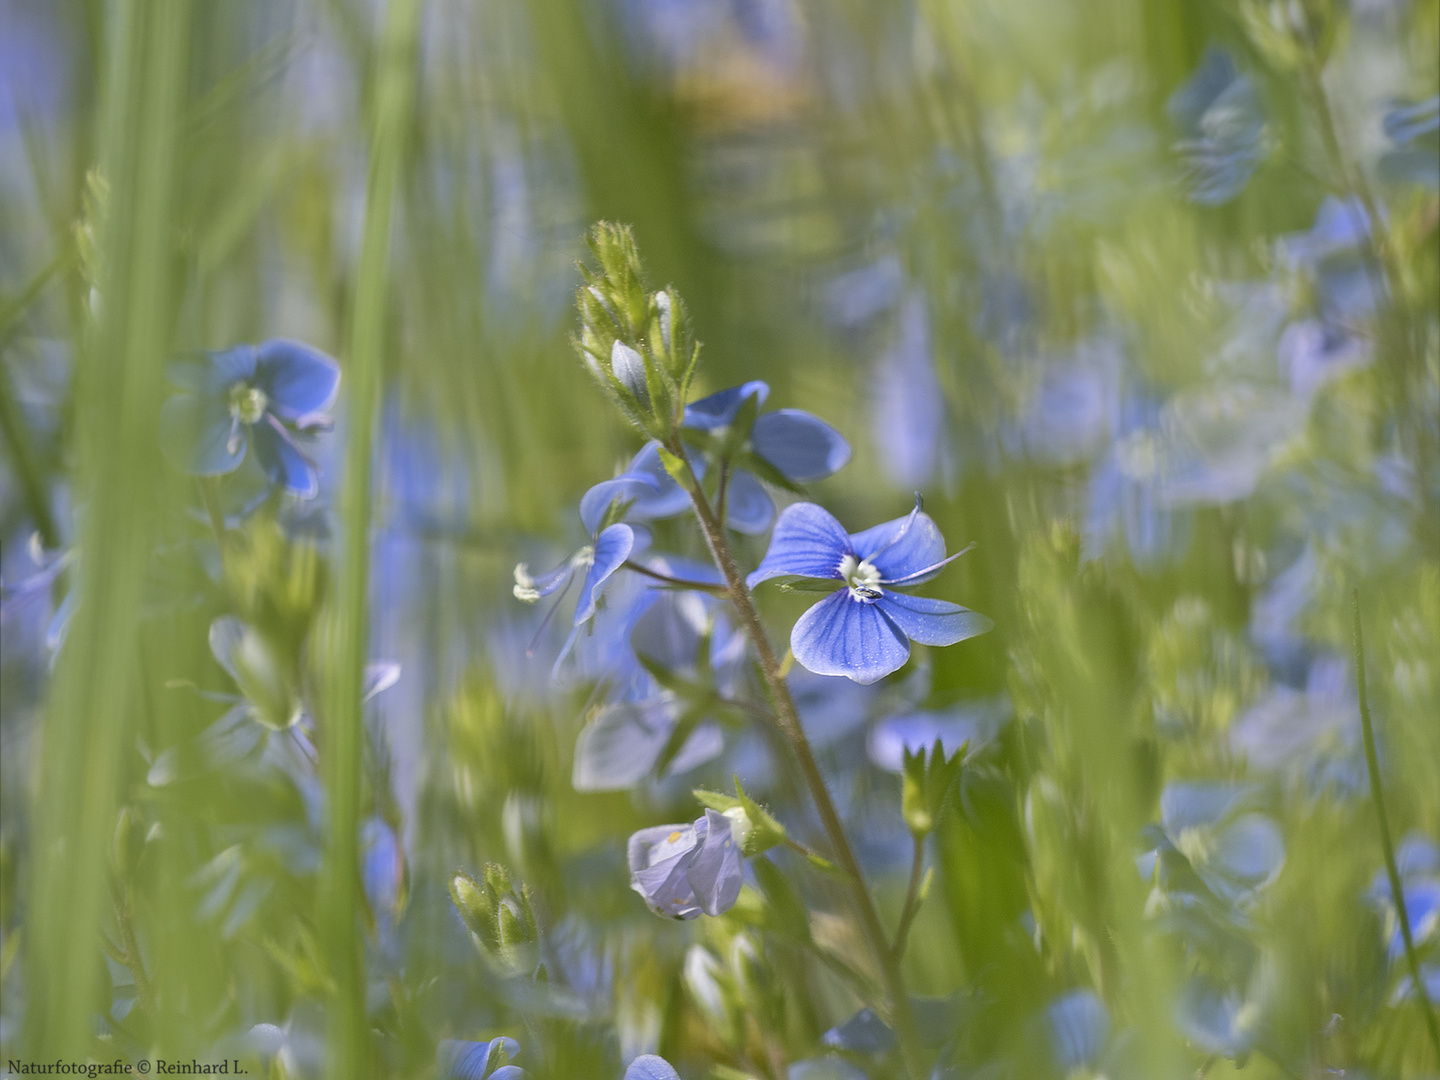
x: 349, y: 1056
x: 122, y: 489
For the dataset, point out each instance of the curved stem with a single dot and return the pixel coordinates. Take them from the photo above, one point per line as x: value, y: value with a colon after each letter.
x: 1392, y: 871
x: 788, y: 719
x: 912, y: 898
x: 679, y: 583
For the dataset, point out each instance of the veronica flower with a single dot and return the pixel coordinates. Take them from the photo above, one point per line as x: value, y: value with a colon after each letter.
x: 863, y: 629
x: 789, y: 445
x: 684, y: 870
x: 265, y: 394
x: 598, y: 560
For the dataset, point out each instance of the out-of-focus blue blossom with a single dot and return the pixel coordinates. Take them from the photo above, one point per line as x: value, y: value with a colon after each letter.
x: 1217, y: 1021
x: 907, y: 403
x: 265, y: 394
x: 1330, y: 257
x: 1415, y: 132
x: 1312, y: 353
x: 1223, y: 129
x: 1069, y: 413
x: 460, y: 1059
x: 1214, y: 445
x: 297, y: 1047
x: 682, y: 871
x: 863, y: 629
x: 581, y: 969
x: 1233, y: 850
x: 1311, y: 736
x: 855, y: 297
x: 1418, y: 861
x: 650, y: 1067
x: 1125, y: 500
x: 972, y: 724
x: 1079, y: 1028
x: 382, y: 867
x: 863, y: 1033
x: 689, y: 640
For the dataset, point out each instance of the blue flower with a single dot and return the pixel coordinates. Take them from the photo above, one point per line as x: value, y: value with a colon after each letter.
x: 1079, y: 1029
x: 684, y: 870
x: 1415, y: 132
x: 863, y: 630
x: 461, y: 1059
x: 599, y: 560
x: 262, y: 393
x: 789, y: 445
x: 650, y: 1067
x: 1218, y: 113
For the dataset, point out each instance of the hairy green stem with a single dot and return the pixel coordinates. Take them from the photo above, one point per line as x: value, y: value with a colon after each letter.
x: 679, y: 583
x: 788, y: 719
x: 1392, y: 871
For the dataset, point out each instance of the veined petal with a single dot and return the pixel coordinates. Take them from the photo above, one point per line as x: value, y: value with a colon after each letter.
x: 716, y: 872
x: 282, y: 460
x: 665, y: 498
x: 801, y: 446
x: 748, y: 508
x: 612, y: 548
x: 807, y: 542
x: 932, y: 622
x: 844, y: 636
x: 901, y: 547
x: 195, y: 435
x: 719, y: 409
x: 298, y: 378
x: 213, y: 372
x: 597, y: 500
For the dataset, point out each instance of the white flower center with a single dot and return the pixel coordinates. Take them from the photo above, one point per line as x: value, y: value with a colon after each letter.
x: 862, y: 577
x: 247, y: 403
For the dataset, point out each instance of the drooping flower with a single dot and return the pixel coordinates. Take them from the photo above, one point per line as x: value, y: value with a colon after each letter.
x: 864, y: 628
x: 266, y: 394
x: 684, y: 870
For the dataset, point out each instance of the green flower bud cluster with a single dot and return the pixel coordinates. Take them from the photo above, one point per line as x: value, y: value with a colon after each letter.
x: 926, y: 783
x: 638, y: 345
x: 500, y: 918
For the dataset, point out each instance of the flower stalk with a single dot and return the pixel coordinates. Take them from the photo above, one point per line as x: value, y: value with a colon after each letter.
x: 788, y: 720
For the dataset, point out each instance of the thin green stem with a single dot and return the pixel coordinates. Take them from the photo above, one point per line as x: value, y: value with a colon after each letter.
x: 349, y: 1055
x: 124, y: 917
x: 912, y: 897
x: 1392, y: 871
x: 788, y: 719
x: 679, y: 583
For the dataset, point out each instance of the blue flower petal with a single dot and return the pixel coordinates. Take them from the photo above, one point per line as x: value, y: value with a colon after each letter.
x: 1079, y: 1029
x: 597, y: 500
x: 1192, y: 805
x: 508, y: 1072
x: 213, y: 372
x: 716, y: 873
x: 932, y: 622
x: 719, y: 409
x: 863, y: 1033
x: 612, y: 548
x: 461, y: 1059
x: 748, y: 507
x: 844, y: 636
x: 903, y: 547
x: 807, y: 542
x: 300, y: 380
x: 650, y: 1067
x: 195, y: 435
x: 282, y: 460
x: 620, y: 746
x: 801, y: 446
x: 658, y: 859
x: 1250, y: 850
